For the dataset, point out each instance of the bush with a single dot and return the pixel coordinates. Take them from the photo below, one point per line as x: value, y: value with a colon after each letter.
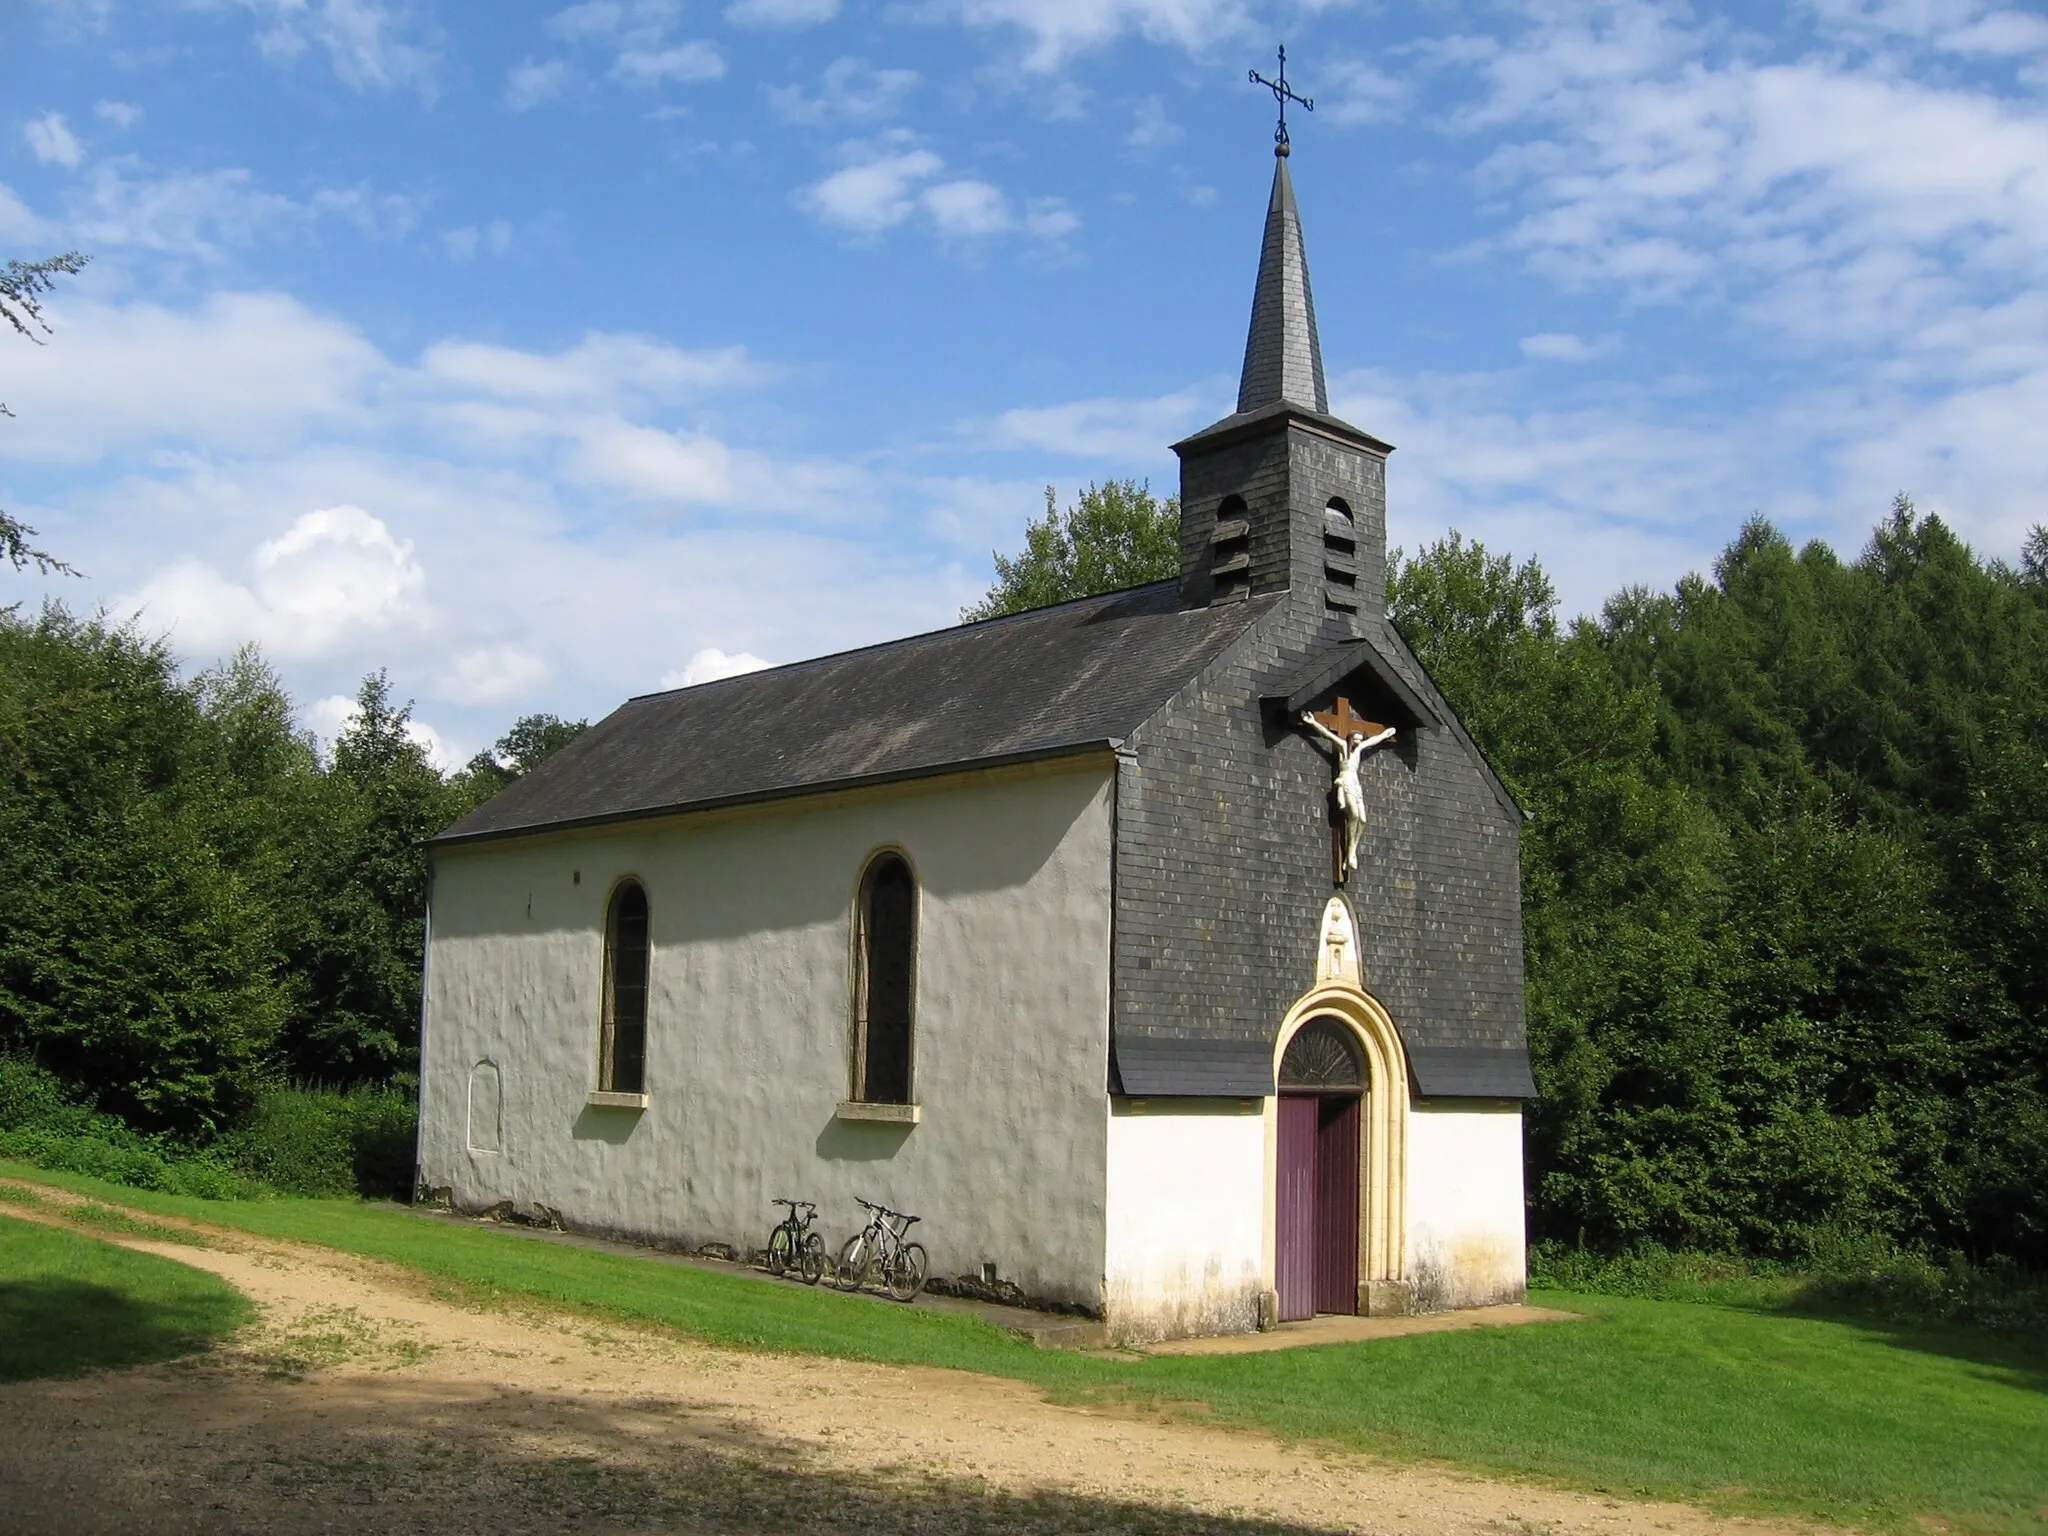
x: 1865, y: 1279
x: 318, y: 1141
x: 41, y: 1124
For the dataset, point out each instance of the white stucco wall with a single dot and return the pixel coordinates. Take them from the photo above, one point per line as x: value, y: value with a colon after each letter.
x: 749, y: 1005
x: 1187, y: 1213
x: 1466, y: 1236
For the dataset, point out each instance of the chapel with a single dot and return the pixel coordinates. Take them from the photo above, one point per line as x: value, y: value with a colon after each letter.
x: 1161, y: 950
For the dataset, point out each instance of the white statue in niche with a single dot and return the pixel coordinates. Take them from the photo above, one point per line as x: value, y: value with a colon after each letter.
x: 1351, y: 747
x: 1337, y: 956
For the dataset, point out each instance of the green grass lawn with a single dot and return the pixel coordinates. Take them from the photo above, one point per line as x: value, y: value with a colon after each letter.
x: 1737, y: 1404
x: 70, y: 1303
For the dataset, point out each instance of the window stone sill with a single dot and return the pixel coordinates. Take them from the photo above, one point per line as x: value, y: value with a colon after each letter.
x: 888, y: 1114
x: 599, y: 1099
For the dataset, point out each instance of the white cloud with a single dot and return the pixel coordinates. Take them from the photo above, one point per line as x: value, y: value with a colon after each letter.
x: 365, y: 41
x: 638, y: 35
x: 20, y: 223
x: 1354, y: 91
x: 1563, y: 347
x: 1662, y: 164
x: 122, y: 114
x: 529, y: 84
x: 1107, y: 428
x: 462, y: 245
x: 124, y: 202
x: 241, y: 371
x: 492, y: 674
x: 51, y: 142
x: 604, y: 368
x: 1059, y: 29
x: 686, y: 62
x: 850, y: 91
x: 1049, y: 218
x: 781, y: 13
x: 873, y: 194
x: 334, y: 574
x: 885, y: 183
x: 1151, y: 128
x: 711, y: 664
x: 967, y: 208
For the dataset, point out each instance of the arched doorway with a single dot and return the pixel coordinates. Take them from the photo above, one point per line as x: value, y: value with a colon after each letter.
x: 1321, y: 1109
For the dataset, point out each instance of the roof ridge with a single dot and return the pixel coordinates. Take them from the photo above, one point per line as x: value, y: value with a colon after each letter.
x: 883, y: 645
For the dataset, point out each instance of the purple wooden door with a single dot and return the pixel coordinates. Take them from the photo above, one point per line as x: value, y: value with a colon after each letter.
x: 1337, y: 1205
x: 1295, y: 1210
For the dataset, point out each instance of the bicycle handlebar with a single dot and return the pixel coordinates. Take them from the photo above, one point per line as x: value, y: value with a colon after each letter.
x: 793, y: 1204
x: 903, y: 1216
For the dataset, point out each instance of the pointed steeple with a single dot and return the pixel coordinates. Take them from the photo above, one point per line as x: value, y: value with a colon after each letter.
x: 1283, y: 358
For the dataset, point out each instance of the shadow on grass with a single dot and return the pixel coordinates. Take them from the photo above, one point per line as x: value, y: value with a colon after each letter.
x: 385, y: 1455
x: 51, y: 1326
x: 2015, y: 1359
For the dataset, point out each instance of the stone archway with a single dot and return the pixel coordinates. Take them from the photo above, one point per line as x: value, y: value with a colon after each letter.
x: 1381, y: 1133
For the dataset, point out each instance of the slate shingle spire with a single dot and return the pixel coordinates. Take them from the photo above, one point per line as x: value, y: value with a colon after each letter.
x: 1283, y: 358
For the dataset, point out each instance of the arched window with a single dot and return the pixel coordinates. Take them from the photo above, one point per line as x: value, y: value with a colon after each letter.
x: 1340, y: 558
x: 622, y: 1061
x: 885, y: 981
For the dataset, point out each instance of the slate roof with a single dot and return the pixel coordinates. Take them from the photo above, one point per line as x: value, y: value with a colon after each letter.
x: 1035, y: 684
x: 1283, y: 355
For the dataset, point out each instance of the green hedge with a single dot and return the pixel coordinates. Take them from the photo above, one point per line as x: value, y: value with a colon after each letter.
x: 295, y: 1141
x: 1869, y: 1280
x: 315, y: 1141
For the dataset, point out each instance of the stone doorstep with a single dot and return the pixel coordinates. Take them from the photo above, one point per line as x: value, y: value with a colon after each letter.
x: 1048, y: 1330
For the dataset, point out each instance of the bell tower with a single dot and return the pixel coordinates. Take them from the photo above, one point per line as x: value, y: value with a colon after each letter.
x: 1281, y: 497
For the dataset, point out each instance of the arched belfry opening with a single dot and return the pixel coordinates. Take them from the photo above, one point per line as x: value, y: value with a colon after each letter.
x: 1339, y: 1153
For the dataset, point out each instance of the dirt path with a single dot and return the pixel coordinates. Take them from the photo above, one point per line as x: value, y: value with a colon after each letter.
x: 361, y: 1402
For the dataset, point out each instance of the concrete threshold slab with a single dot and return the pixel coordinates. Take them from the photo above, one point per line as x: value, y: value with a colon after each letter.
x: 1331, y: 1328
x: 1048, y: 1330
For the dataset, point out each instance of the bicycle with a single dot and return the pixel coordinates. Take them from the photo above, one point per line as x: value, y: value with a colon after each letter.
x: 794, y: 1246
x: 878, y: 1249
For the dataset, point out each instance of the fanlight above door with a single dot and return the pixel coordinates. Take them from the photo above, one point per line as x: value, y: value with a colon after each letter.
x: 1322, y: 1058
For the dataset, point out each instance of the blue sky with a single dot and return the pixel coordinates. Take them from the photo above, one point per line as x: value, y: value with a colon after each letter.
x: 547, y: 355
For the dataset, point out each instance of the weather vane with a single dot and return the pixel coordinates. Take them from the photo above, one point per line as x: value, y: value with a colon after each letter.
x: 1282, y: 95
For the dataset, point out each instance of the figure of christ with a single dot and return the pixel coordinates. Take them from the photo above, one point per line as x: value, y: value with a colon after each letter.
x: 1349, y: 786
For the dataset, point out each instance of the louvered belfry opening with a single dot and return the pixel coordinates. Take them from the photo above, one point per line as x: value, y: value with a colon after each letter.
x: 1322, y: 1091
x: 1230, y: 553
x: 1340, y: 558
x: 887, y: 984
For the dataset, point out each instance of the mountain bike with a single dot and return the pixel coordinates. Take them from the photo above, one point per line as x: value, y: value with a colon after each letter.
x: 879, y: 1252
x: 794, y: 1246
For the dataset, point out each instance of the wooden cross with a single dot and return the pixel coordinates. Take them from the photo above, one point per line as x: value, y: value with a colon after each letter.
x: 1345, y: 722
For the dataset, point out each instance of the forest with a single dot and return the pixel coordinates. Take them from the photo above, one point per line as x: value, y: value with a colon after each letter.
x: 1785, y: 881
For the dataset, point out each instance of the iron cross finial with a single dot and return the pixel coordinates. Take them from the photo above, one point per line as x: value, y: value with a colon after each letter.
x: 1282, y: 95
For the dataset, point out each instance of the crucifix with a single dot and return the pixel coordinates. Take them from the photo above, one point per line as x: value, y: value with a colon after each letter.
x: 1282, y: 95
x: 1352, y: 735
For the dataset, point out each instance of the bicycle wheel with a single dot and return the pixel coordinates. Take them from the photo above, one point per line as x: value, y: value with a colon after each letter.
x: 908, y: 1269
x: 810, y: 1261
x: 854, y: 1261
x: 778, y: 1250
